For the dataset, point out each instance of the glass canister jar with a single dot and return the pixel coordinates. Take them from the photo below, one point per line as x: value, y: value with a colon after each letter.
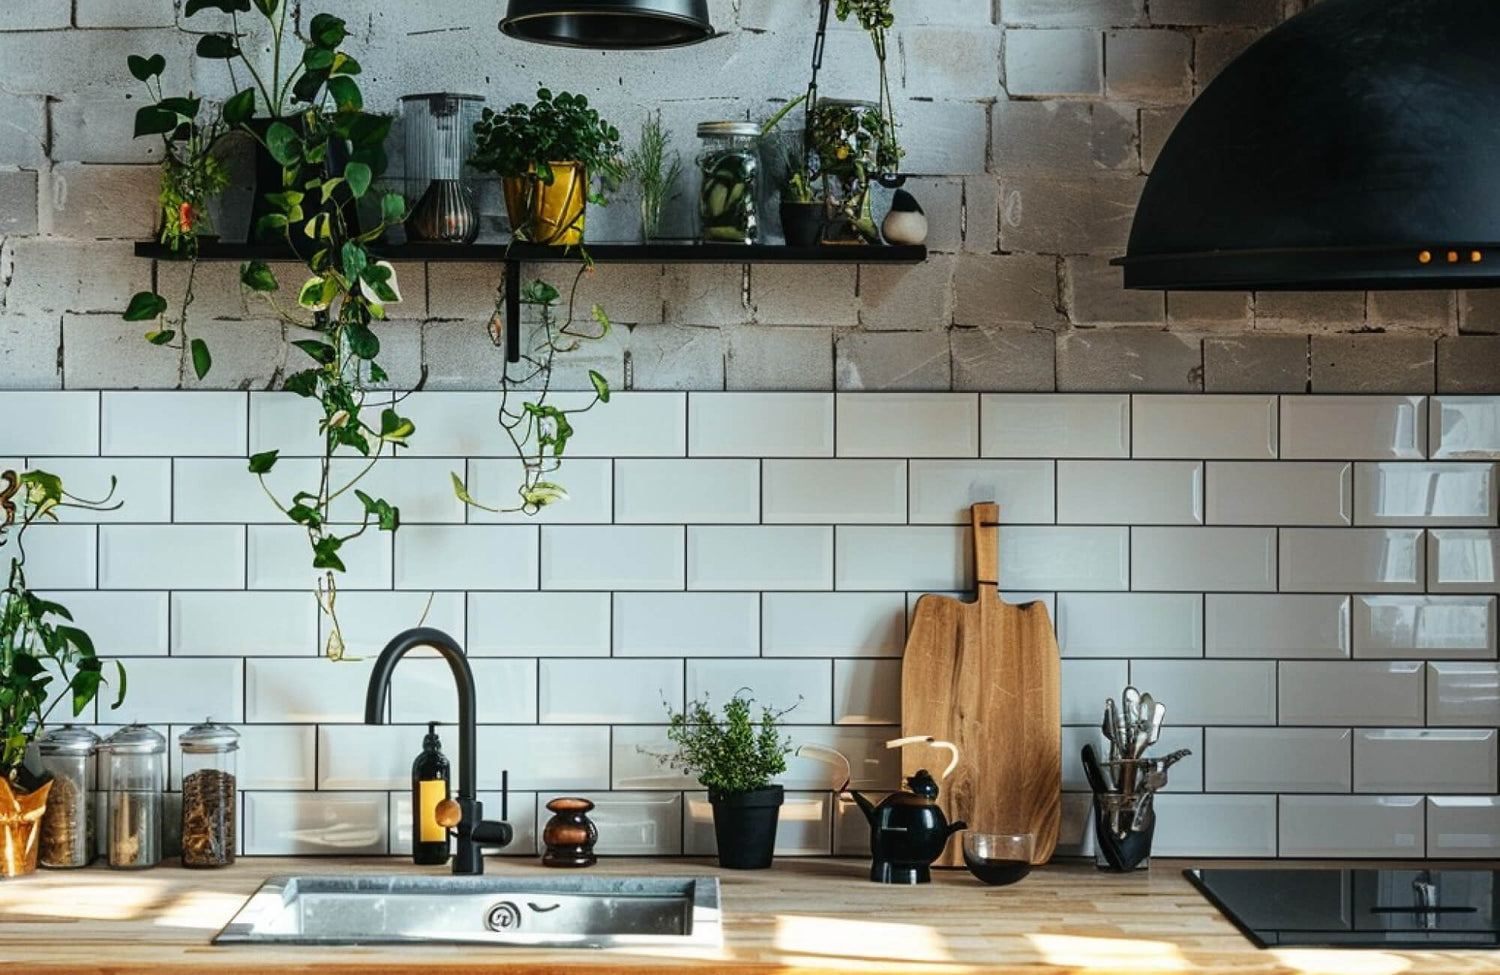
x: 209, y: 752
x: 69, y: 755
x: 135, y: 760
x: 729, y: 185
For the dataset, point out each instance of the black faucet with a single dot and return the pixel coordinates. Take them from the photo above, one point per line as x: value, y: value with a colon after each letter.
x: 471, y: 829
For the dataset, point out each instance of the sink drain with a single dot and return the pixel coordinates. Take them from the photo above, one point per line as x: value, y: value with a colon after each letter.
x: 504, y: 916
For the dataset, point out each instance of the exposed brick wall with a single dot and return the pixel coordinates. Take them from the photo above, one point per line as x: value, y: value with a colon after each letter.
x: 1033, y: 124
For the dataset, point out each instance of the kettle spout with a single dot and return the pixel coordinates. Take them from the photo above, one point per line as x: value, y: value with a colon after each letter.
x: 955, y: 827
x: 865, y: 805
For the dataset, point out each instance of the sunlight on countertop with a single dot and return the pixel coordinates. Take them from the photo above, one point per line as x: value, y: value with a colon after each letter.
x: 1331, y: 961
x: 1109, y: 954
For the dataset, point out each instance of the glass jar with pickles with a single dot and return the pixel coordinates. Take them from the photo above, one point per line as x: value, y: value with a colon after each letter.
x: 729, y: 188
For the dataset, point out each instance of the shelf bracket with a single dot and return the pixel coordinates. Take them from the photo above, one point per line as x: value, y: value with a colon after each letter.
x: 512, y: 311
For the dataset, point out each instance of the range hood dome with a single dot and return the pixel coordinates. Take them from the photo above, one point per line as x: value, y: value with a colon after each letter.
x: 1356, y: 146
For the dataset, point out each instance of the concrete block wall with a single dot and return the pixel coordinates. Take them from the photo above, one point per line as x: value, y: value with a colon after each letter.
x: 1031, y: 124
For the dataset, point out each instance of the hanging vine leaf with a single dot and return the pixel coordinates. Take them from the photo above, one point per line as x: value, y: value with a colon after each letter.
x: 227, y: 6
x: 240, y: 107
x: 144, y: 69
x: 601, y: 386
x: 358, y: 176
x: 145, y: 306
x: 262, y: 463
x: 153, y: 120
x: 217, y: 47
x: 283, y: 144
x: 325, y: 553
x: 326, y: 30
x: 161, y: 336
x: 202, y: 361
x: 257, y: 276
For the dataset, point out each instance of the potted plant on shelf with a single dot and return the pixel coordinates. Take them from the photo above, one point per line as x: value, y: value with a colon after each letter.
x: 44, y: 660
x: 655, y: 171
x: 734, y: 758
x: 546, y: 154
x: 801, y: 210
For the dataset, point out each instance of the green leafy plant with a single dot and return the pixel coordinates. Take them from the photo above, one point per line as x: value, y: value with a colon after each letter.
x: 39, y: 645
x: 877, y: 17
x: 655, y: 171
x: 735, y: 753
x: 525, y: 140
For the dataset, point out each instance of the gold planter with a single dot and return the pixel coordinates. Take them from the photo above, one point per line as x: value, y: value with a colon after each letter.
x: 20, y: 828
x: 552, y: 213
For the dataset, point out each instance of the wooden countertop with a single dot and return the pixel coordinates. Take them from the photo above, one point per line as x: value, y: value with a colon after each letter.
x: 803, y: 916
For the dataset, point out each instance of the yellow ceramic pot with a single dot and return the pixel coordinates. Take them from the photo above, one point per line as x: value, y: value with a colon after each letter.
x: 20, y: 828
x: 549, y: 213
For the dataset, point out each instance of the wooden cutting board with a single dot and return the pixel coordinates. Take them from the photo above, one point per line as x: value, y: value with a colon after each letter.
x: 985, y: 676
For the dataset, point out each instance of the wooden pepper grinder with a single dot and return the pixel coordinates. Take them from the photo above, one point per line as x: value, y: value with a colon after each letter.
x: 570, y: 835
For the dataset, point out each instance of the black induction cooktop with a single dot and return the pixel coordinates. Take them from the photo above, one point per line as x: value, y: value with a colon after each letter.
x: 1323, y: 908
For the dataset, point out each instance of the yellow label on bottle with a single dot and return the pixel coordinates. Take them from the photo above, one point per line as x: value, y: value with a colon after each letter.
x: 430, y: 792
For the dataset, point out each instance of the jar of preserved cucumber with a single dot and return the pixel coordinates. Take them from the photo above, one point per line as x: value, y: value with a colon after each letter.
x: 729, y: 188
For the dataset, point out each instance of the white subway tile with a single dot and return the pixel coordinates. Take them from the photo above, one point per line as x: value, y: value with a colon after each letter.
x: 804, y: 686
x: 867, y: 692
x: 1215, y: 826
x: 871, y: 764
x: 458, y: 424
x: 165, y: 690
x: 629, y: 425
x: 421, y: 489
x: 259, y: 624
x: 1124, y: 492
x: 590, y: 691
x: 122, y: 624
x: 851, y: 830
x: 1279, y: 493
x: 637, y: 759
x: 424, y: 690
x: 1210, y: 692
x: 287, y: 423
x: 1463, y: 560
x: 369, y: 620
x: 63, y: 557
x: 1351, y: 826
x: 641, y: 824
x: 686, y: 492
x: 1351, y: 560
x: 538, y: 624
x: 1353, y: 427
x: 844, y: 624
x: 171, y: 557
x: 1463, y: 694
x: 1404, y: 627
x: 627, y: 557
x: 760, y: 557
x: 362, y: 756
x: 1046, y: 558
x: 1130, y: 624
x: 1425, y: 761
x: 466, y: 557
x: 1087, y: 683
x: 312, y: 824
x: 173, y: 424
x: 545, y: 758
x: 1424, y: 494
x: 1351, y: 693
x: 280, y: 557
x: 221, y: 490
x: 804, y: 827
x: 1463, y: 826
x: 760, y: 425
x: 937, y: 557
x: 1210, y: 427
x: 142, y: 488
x: 827, y: 492
x: 302, y: 691
x: 943, y: 491
x: 1465, y: 427
x: 1212, y: 559
x: 687, y: 624
x: 274, y: 757
x: 1277, y: 759
x: 908, y: 425
x: 1277, y: 626
x: 495, y: 483
x: 1054, y: 425
x: 57, y: 424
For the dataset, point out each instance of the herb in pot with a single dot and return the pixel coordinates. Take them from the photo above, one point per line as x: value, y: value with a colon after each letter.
x: 655, y: 171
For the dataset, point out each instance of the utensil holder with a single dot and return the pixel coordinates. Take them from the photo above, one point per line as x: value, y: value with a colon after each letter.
x: 1121, y: 854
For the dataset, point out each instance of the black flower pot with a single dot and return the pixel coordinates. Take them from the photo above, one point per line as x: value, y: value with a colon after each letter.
x: 269, y: 178
x: 745, y: 826
x: 802, y: 223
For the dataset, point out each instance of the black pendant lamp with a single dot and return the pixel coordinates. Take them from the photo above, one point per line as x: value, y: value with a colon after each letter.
x: 609, y: 25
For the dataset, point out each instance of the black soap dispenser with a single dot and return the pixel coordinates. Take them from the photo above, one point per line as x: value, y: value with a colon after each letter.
x: 429, y: 786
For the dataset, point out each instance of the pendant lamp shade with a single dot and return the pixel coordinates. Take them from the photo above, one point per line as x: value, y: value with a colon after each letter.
x: 608, y: 25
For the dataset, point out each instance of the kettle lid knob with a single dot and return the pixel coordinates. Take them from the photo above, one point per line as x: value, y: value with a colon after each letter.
x: 922, y: 784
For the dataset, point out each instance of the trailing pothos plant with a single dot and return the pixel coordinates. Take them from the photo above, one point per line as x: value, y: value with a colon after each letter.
x: 39, y: 645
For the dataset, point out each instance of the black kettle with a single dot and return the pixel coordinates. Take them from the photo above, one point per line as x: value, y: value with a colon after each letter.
x: 908, y: 830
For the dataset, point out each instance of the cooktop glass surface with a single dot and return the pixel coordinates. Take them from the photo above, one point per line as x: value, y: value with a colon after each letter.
x: 1407, y: 908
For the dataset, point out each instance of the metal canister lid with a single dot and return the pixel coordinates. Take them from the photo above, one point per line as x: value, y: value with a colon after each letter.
x: 209, y: 737
x: 68, y: 740
x: 136, y: 739
x: 736, y: 129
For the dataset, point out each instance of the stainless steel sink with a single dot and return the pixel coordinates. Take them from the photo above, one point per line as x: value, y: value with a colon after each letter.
x: 575, y: 911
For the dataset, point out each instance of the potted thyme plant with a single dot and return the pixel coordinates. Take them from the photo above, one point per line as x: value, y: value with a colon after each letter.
x: 734, y: 758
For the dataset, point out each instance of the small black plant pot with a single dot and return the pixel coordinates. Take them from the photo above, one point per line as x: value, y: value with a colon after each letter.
x: 745, y: 826
x: 269, y: 178
x: 802, y: 223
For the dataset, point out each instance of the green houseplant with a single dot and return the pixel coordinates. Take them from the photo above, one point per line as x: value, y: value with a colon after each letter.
x: 44, y: 661
x: 546, y: 153
x: 734, y: 757
x: 655, y: 171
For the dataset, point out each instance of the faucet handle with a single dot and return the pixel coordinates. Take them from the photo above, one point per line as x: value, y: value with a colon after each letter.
x: 448, y: 814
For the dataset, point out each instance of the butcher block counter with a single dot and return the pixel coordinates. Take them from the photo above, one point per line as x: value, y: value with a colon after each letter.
x: 803, y: 916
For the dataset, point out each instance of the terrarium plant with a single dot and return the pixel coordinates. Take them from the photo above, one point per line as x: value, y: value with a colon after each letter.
x: 45, y: 660
x: 547, y: 154
x: 655, y: 171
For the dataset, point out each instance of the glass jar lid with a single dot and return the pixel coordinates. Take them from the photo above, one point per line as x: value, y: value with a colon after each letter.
x: 136, y: 739
x: 722, y: 130
x: 68, y: 740
x: 209, y: 737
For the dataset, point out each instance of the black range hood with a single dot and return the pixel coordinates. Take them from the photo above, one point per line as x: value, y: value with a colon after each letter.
x: 1356, y: 146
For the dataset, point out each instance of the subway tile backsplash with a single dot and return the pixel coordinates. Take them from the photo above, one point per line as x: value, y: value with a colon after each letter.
x: 1308, y: 583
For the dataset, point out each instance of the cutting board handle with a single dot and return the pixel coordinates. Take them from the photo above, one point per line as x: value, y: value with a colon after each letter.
x: 985, y: 517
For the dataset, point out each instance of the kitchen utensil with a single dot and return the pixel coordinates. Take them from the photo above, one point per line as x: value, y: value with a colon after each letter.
x: 998, y: 859
x: 1156, y: 717
x: 1131, y: 709
x: 1145, y: 814
x: 1116, y: 849
x: 1093, y: 772
x: 1110, y: 725
x: 985, y: 676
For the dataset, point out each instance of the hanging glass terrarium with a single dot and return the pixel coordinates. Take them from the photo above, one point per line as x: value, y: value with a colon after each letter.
x: 439, y: 139
x: 850, y: 144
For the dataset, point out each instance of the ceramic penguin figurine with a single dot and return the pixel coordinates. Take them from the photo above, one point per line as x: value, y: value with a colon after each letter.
x: 906, y: 223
